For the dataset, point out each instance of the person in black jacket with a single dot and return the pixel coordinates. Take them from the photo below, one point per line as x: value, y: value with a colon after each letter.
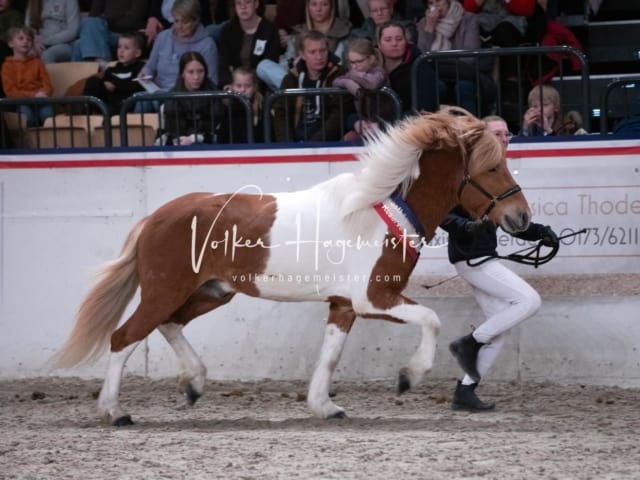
x: 504, y: 298
x: 190, y: 121
x: 246, y: 40
x: 119, y: 82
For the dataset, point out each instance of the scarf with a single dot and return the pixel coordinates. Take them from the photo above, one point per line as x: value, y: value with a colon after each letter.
x: 446, y: 27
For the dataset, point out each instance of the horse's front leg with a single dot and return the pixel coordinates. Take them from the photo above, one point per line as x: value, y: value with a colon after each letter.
x: 402, y: 309
x: 341, y: 318
x: 422, y: 360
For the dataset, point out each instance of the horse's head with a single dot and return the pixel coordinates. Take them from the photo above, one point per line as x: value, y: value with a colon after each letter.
x: 488, y: 190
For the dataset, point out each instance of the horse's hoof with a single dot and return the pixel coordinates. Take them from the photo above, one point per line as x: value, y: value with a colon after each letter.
x: 339, y: 415
x: 123, y: 421
x: 192, y: 395
x: 404, y: 383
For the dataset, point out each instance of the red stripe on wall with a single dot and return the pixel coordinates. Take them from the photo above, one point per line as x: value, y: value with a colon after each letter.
x: 574, y: 152
x: 175, y: 161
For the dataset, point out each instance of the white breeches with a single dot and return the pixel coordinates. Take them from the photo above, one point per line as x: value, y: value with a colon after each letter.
x: 505, y: 299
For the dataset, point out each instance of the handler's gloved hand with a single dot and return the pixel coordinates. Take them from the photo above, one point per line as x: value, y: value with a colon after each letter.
x: 548, y: 237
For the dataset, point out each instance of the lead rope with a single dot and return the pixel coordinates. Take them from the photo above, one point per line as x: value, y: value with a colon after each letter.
x: 526, y: 256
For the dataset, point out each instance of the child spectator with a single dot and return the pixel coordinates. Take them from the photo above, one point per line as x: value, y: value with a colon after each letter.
x: 57, y: 23
x: 365, y: 74
x: 233, y: 126
x: 25, y: 76
x: 189, y: 121
x: 9, y: 17
x: 119, y: 82
x: 543, y: 116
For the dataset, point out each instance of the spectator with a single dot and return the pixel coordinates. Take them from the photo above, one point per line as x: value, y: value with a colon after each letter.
x: 233, y: 126
x: 321, y: 16
x: 9, y: 17
x: 365, y: 75
x: 190, y: 121
x: 119, y: 82
x: 446, y: 26
x: 542, y: 116
x: 25, y: 76
x: 254, y: 37
x: 313, y: 118
x: 57, y: 23
x: 398, y: 56
x: 380, y: 12
x: 99, y: 32
x: 186, y: 35
x: 161, y: 18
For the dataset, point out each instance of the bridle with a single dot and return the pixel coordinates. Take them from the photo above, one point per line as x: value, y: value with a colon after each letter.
x: 467, y: 180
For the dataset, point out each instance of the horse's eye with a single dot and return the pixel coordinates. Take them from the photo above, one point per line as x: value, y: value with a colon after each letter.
x: 493, y: 170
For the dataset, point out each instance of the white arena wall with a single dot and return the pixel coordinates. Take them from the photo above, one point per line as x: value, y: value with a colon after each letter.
x: 62, y: 215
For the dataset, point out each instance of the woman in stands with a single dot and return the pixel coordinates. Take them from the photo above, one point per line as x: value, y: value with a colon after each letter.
x: 398, y: 56
x: 381, y: 11
x: 321, y: 16
x: 57, y: 23
x: 446, y: 26
x: 186, y: 35
x: 190, y: 121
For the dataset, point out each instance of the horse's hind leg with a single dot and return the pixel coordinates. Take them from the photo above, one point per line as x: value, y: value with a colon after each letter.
x: 108, y: 402
x: 341, y: 318
x: 149, y: 314
x: 193, y: 372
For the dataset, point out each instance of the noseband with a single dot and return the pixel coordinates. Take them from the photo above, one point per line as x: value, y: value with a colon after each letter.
x: 494, y: 199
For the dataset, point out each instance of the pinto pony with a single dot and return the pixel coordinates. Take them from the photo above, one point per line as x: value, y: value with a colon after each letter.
x: 354, y: 240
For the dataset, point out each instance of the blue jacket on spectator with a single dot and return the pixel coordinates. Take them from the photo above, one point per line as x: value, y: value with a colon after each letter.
x: 164, y: 61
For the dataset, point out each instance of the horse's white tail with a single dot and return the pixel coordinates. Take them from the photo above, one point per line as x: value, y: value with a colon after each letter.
x: 103, y: 307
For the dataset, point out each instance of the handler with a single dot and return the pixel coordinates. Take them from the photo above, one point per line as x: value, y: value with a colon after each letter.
x: 504, y: 297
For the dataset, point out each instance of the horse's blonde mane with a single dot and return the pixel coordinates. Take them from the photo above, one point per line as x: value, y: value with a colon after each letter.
x: 391, y: 159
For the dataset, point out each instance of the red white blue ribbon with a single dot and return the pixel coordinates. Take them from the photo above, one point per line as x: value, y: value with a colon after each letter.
x: 402, y: 223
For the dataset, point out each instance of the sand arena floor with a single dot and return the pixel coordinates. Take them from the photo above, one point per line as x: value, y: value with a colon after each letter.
x: 263, y: 430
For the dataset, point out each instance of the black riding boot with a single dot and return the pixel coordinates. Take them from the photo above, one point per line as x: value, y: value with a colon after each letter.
x: 466, y: 349
x: 465, y: 398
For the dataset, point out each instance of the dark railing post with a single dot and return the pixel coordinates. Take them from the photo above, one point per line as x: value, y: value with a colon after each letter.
x: 284, y: 95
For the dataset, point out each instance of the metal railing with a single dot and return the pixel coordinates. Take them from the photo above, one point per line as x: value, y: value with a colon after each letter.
x: 70, y: 114
x: 383, y: 105
x: 633, y: 106
x: 462, y: 64
x: 185, y: 103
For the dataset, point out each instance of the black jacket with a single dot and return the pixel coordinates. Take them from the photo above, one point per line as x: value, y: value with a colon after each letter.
x: 469, y: 239
x: 265, y: 45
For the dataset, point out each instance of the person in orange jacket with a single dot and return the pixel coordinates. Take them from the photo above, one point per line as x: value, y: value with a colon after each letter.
x: 25, y: 76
